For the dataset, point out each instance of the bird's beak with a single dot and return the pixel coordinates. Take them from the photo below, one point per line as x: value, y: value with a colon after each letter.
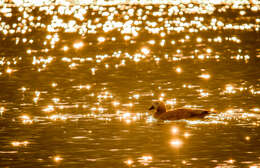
x: 151, y: 108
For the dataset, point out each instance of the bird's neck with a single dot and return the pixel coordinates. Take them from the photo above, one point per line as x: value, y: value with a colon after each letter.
x: 159, y: 111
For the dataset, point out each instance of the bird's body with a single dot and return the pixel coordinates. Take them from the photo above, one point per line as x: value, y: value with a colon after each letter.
x: 176, y: 114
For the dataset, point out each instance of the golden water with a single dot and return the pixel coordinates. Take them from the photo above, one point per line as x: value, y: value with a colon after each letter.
x: 77, y: 79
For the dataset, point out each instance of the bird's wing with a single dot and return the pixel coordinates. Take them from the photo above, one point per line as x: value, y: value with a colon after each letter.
x: 176, y: 114
x: 182, y: 114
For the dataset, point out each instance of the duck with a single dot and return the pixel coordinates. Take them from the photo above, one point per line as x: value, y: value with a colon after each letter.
x: 176, y: 114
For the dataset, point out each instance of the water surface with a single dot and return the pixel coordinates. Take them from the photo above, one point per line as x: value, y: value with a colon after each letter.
x: 77, y: 81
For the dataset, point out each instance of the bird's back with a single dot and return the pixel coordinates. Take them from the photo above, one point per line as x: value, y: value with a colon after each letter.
x: 178, y: 114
